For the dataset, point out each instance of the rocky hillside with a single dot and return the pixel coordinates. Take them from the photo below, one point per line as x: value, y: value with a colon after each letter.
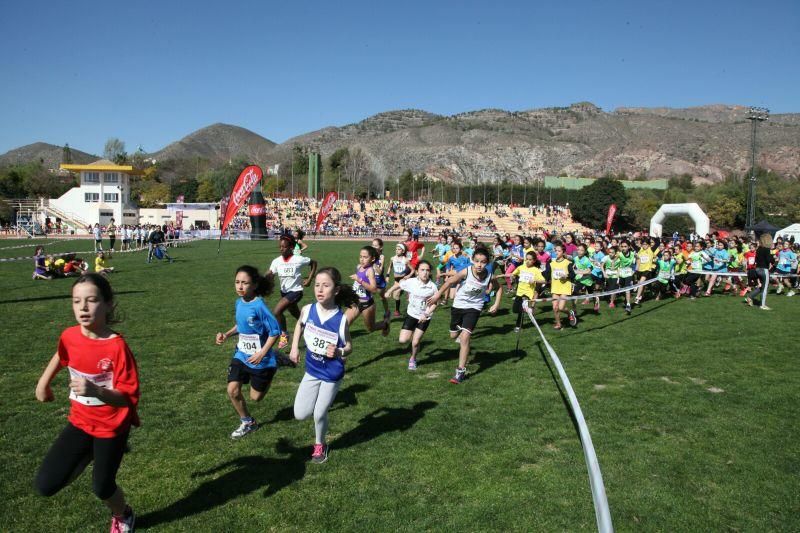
x: 217, y: 143
x: 49, y: 155
x: 706, y: 142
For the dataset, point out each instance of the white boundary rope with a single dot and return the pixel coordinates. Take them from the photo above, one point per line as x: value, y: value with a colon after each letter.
x: 601, y: 510
x: 166, y: 244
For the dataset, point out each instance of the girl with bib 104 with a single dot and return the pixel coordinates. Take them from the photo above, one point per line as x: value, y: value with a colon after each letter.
x: 254, y: 361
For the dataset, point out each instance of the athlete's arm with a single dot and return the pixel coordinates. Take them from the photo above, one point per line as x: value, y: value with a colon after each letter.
x: 294, y: 353
x: 498, y: 296
x: 43, y: 391
x: 451, y: 280
x: 311, y: 274
x: 221, y: 337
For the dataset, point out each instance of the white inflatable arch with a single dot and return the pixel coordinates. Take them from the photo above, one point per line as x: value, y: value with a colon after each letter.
x: 701, y: 222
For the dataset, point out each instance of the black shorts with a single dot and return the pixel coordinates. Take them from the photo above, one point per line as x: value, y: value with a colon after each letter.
x: 293, y: 297
x: 578, y: 288
x: 612, y: 284
x: 463, y: 319
x: 626, y: 282
x: 411, y: 323
x: 259, y: 380
x: 598, y: 279
x: 363, y: 306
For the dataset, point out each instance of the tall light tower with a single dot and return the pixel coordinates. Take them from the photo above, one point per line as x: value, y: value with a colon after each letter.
x: 754, y: 115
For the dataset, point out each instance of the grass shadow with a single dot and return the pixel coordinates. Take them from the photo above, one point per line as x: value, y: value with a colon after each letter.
x: 346, y: 397
x: 244, y: 475
x: 381, y: 421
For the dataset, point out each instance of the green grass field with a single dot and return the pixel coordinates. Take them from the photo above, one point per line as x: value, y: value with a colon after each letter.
x: 690, y: 406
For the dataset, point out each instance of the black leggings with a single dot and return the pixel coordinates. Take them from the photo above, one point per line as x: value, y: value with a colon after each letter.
x: 69, y: 455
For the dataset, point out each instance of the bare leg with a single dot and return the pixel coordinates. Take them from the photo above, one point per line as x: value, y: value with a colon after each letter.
x: 235, y: 394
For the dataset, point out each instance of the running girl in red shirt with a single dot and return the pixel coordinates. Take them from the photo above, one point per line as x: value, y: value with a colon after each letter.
x: 104, y: 393
x: 415, y: 250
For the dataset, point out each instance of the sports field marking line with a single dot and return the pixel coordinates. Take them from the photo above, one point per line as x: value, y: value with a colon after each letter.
x: 601, y: 510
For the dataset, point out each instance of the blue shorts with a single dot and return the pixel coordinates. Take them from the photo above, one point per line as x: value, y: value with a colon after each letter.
x: 293, y: 297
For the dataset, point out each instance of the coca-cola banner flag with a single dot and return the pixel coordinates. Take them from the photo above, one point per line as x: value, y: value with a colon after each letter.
x: 326, y: 208
x: 247, y: 181
x: 612, y: 210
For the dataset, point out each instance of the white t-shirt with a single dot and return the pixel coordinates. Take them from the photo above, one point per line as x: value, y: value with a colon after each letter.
x: 97, y: 233
x: 418, y: 294
x: 470, y: 294
x: 288, y: 271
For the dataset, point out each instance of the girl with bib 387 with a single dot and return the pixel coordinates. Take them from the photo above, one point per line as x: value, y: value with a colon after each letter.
x: 326, y: 334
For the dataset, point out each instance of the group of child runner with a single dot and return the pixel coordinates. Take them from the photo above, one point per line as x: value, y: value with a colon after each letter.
x: 104, y: 384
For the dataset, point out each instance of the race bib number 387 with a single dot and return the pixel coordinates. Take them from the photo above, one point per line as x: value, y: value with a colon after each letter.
x: 318, y: 339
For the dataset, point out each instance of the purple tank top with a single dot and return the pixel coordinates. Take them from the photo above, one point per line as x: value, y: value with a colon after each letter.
x: 363, y: 294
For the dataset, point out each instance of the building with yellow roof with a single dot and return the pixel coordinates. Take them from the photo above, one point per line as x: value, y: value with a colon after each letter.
x: 104, y: 193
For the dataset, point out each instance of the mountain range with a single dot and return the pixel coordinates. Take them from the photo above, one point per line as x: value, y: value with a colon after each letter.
x: 706, y: 142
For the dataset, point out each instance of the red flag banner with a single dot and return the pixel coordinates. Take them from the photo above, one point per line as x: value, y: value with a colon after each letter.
x: 326, y: 208
x: 179, y: 219
x: 612, y: 211
x: 245, y: 184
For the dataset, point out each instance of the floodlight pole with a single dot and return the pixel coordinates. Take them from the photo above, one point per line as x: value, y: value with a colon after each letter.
x: 754, y: 115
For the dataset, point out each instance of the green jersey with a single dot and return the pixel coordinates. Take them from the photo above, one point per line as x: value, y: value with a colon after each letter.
x: 583, y: 263
x: 611, y: 267
x: 626, y: 264
x: 665, y: 270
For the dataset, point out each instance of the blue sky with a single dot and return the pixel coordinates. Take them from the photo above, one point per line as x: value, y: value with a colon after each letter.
x: 152, y: 72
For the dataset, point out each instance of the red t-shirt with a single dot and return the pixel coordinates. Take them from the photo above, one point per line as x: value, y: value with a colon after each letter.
x: 750, y: 259
x: 110, y: 364
x: 412, y: 247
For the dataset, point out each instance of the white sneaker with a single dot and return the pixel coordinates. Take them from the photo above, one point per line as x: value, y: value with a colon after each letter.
x: 243, y: 429
x: 765, y: 308
x: 790, y: 293
x: 780, y: 289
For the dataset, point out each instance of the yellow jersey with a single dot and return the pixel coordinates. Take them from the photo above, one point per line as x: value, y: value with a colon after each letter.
x: 528, y: 276
x: 559, y: 277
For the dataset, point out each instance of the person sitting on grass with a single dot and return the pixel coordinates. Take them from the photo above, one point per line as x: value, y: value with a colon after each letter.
x: 101, y: 264
x: 39, y: 266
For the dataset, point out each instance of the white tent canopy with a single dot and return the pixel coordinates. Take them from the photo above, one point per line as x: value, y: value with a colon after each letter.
x: 701, y: 222
x: 791, y: 231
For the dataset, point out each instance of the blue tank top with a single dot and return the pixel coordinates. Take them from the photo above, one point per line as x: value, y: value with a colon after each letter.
x: 317, y: 335
x: 380, y: 280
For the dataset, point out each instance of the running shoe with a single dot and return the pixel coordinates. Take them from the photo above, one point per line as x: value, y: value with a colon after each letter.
x: 123, y: 524
x: 638, y: 300
x: 516, y: 329
x: 461, y: 375
x: 244, y: 429
x: 742, y: 292
x: 765, y: 308
x: 573, y: 320
x: 780, y: 289
x: 283, y: 342
x: 585, y: 301
x: 412, y: 363
x: 628, y: 308
x: 748, y: 301
x: 320, y: 454
x: 396, y: 314
x: 611, y: 305
x: 556, y: 326
x: 790, y: 293
x: 597, y: 307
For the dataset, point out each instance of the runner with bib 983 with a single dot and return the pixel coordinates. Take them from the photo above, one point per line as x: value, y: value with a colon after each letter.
x: 287, y: 267
x: 254, y: 360
x: 474, y: 282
